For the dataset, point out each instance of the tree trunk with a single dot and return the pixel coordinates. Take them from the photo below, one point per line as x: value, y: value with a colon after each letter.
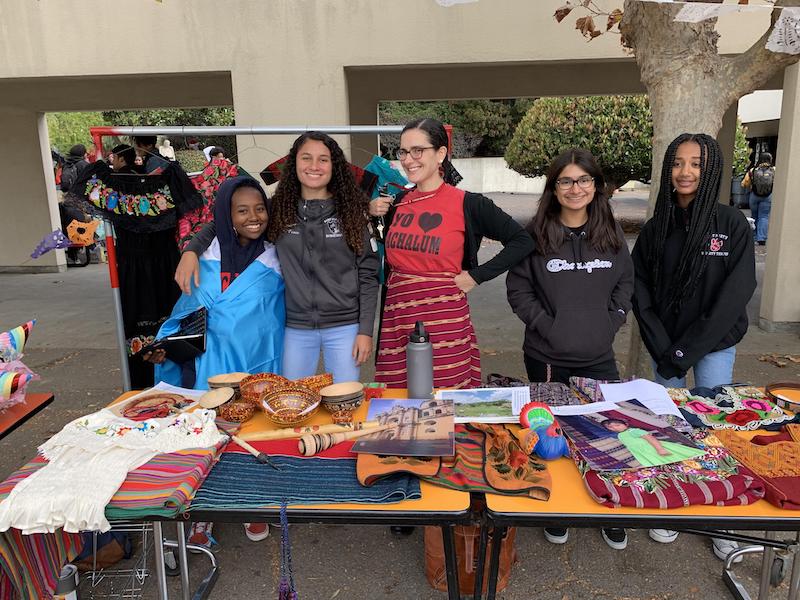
x: 690, y: 87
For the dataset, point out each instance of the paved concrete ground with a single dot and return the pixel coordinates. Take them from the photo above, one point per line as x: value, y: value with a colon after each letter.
x: 73, y: 349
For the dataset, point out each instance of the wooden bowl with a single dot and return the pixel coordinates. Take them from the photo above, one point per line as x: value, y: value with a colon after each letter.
x: 253, y: 387
x: 216, y: 397
x: 342, y: 391
x: 231, y: 380
x: 340, y: 397
x: 289, y: 405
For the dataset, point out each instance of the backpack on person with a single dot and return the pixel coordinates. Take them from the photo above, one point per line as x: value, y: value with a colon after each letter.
x: 69, y: 175
x: 763, y: 178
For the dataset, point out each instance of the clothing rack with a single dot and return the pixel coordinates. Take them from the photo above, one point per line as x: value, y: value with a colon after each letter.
x: 98, y: 133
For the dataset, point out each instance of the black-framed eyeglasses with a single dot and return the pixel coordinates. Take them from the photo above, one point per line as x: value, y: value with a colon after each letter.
x: 584, y: 182
x: 415, y: 152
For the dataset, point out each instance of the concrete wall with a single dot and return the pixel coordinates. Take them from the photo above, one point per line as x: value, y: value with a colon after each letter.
x: 491, y: 174
x: 780, y: 303
x: 283, y: 62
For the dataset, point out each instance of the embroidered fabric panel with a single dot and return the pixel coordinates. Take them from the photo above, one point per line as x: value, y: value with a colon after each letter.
x: 733, y: 407
x: 149, y: 204
x: 777, y: 459
x: 717, y: 464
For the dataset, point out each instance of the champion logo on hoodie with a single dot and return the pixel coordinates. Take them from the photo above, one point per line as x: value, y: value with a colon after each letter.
x: 556, y: 265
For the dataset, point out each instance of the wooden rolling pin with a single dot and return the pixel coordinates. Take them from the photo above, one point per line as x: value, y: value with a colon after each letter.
x: 296, y: 432
x: 313, y: 443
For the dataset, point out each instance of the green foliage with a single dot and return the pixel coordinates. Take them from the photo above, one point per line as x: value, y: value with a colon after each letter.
x: 618, y: 130
x: 191, y: 160
x: 69, y: 128
x: 741, y: 151
x: 480, y: 127
x: 187, y: 117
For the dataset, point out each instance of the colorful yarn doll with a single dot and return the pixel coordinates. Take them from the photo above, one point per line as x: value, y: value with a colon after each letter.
x: 545, y: 437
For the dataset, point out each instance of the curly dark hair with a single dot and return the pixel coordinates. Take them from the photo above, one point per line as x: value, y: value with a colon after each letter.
x: 351, y: 202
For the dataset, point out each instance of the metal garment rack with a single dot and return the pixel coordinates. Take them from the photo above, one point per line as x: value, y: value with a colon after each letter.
x: 98, y: 133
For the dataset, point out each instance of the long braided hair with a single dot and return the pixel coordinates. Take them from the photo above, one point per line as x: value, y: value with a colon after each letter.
x: 693, y: 259
x: 351, y: 202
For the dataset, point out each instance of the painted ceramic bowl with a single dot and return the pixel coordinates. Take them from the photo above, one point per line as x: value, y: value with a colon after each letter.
x: 253, y: 387
x: 237, y: 411
x: 315, y: 382
x: 289, y: 405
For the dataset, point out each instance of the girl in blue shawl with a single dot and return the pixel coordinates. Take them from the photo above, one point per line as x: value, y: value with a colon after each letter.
x: 240, y: 286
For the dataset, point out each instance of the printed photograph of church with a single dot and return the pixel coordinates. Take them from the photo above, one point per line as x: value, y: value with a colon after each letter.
x: 417, y: 428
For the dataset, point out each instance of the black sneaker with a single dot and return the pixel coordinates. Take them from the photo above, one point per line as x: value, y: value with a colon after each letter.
x: 401, y: 530
x: 615, y: 538
x: 556, y: 535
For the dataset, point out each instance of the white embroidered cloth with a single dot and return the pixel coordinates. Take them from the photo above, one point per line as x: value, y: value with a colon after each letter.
x: 88, y: 461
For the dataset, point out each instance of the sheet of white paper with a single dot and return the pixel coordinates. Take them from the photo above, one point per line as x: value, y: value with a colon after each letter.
x: 649, y: 393
x: 163, y: 386
x: 582, y: 409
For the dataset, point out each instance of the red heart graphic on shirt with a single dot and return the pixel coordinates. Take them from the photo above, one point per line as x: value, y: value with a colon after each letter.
x: 428, y: 221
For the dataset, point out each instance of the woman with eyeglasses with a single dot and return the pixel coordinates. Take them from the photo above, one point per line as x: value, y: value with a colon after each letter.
x: 432, y: 239
x: 574, y: 292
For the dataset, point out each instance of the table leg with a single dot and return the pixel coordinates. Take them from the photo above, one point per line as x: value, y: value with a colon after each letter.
x: 450, y: 562
x: 477, y: 591
x: 161, y: 573
x: 794, y: 581
x: 498, y: 535
x: 766, y: 567
x: 183, y: 560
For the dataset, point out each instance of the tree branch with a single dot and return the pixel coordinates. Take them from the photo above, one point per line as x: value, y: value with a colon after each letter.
x: 755, y: 66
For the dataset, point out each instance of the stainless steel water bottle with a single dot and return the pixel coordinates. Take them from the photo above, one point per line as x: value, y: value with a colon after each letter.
x: 419, y: 363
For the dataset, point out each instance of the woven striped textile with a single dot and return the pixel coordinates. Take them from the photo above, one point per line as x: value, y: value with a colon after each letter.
x: 436, y: 301
x: 30, y: 564
x: 239, y: 481
x: 163, y: 486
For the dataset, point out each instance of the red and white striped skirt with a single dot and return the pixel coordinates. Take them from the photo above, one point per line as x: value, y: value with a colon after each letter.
x: 437, y: 302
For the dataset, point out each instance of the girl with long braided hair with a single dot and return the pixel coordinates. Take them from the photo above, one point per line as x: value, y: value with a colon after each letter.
x: 694, y: 266
x: 319, y: 224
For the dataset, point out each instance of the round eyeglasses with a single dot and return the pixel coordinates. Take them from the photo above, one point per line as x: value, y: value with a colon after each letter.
x: 584, y: 182
x: 415, y: 152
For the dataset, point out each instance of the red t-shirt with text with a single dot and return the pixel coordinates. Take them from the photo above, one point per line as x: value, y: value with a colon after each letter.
x: 427, y: 232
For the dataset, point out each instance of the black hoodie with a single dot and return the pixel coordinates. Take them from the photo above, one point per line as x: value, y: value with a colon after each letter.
x: 714, y: 317
x: 573, y: 301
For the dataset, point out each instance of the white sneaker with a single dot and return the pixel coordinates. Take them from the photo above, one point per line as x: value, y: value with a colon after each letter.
x: 663, y: 536
x: 722, y: 548
x: 556, y: 535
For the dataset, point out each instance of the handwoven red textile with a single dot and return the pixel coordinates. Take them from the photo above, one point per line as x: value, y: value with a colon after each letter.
x: 438, y: 302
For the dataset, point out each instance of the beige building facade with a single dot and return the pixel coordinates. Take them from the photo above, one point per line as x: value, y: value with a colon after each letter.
x: 316, y: 63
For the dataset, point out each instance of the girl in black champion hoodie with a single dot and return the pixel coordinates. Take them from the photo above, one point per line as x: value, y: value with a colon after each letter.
x: 574, y: 292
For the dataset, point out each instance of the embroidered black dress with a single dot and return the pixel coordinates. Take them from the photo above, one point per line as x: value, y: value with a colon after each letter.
x: 144, y: 210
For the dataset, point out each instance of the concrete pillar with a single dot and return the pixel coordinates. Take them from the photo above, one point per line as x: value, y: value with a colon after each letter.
x: 727, y: 142
x: 780, y: 302
x: 29, y: 200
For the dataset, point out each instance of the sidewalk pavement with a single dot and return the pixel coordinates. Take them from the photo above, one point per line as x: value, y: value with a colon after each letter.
x: 73, y: 348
